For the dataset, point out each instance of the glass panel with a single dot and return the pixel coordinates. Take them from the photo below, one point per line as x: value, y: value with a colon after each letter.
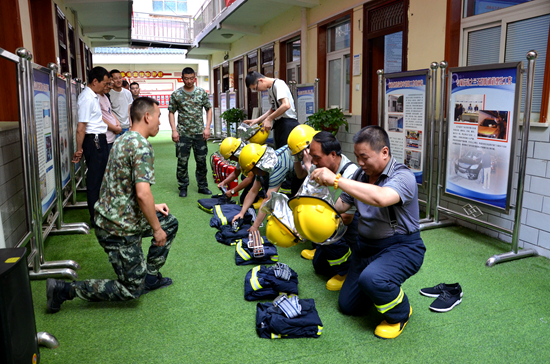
x: 521, y: 37
x: 346, y: 82
x: 158, y: 5
x: 182, y: 7
x: 334, y: 84
x: 267, y: 71
x: 170, y: 6
x: 476, y: 7
x: 296, y: 51
x: 393, y: 51
x: 339, y: 37
x: 290, y: 74
x: 483, y: 46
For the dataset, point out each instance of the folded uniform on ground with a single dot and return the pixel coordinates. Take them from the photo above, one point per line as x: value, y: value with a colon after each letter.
x: 228, y: 236
x: 273, y: 323
x: 207, y: 204
x: 224, y: 214
x: 263, y: 282
x: 245, y: 255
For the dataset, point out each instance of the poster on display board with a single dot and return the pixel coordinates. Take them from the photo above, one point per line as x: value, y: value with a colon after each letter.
x: 223, y: 107
x: 305, y: 102
x: 232, y: 105
x: 64, y: 154
x: 43, y: 120
x: 74, y: 113
x: 482, y: 114
x: 266, y: 105
x: 405, y: 113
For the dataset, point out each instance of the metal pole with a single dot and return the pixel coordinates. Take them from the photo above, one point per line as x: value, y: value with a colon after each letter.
x: 441, y: 154
x: 316, y: 96
x: 381, y: 98
x: 433, y: 95
x: 515, y: 254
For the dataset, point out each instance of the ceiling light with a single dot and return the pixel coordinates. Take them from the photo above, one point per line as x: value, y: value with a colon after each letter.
x: 227, y: 35
x: 108, y: 37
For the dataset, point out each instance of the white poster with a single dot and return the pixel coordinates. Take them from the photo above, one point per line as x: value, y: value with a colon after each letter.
x: 43, y: 118
x: 479, y: 138
x: 266, y: 105
x: 223, y: 107
x: 305, y: 103
x: 405, y: 119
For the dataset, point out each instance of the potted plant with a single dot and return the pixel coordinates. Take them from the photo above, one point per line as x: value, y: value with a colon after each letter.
x: 233, y: 116
x: 329, y: 120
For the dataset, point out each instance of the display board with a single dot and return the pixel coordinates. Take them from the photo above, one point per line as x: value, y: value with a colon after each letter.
x: 305, y: 102
x: 405, y: 114
x: 232, y: 105
x: 223, y: 107
x: 44, y: 137
x: 64, y: 154
x: 482, y: 115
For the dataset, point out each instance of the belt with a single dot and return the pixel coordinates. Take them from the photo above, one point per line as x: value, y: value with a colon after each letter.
x: 101, y: 136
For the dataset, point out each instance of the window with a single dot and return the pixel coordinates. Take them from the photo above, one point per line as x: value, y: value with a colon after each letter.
x: 171, y: 7
x: 338, y: 66
x: 62, y: 41
x: 267, y: 61
x: 72, y: 50
x: 506, y: 35
x: 476, y: 7
x: 293, y: 49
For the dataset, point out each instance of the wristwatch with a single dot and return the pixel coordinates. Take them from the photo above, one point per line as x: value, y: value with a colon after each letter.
x: 232, y: 192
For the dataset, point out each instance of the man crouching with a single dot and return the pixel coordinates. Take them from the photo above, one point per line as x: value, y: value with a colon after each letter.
x: 124, y: 214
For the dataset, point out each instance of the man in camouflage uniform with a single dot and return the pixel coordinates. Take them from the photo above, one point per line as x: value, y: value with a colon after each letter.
x: 189, y: 101
x: 124, y: 214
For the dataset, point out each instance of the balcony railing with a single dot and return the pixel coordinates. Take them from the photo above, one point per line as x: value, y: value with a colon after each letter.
x: 162, y: 29
x: 207, y: 13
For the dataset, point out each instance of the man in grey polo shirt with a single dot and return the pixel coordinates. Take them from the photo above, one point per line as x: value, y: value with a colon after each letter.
x: 91, y: 140
x: 389, y: 248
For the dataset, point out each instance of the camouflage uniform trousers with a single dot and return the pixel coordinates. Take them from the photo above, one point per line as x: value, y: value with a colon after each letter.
x: 126, y: 256
x: 183, y: 152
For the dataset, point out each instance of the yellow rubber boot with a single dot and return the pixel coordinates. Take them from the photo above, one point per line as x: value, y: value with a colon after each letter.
x: 257, y: 204
x: 390, y: 331
x: 308, y: 254
x: 336, y: 282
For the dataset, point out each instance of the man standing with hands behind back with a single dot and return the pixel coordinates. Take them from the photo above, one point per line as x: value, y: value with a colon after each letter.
x: 91, y: 140
x: 190, y: 132
x: 121, y: 99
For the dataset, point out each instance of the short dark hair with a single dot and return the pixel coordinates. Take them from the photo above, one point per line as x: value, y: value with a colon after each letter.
x: 134, y: 83
x: 252, y: 78
x: 187, y: 71
x: 328, y: 142
x: 140, y: 106
x: 97, y: 73
x: 124, y: 83
x: 375, y: 137
x: 114, y: 71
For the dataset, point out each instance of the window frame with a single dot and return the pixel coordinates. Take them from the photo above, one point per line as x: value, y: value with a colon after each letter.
x: 339, y: 54
x: 164, y: 11
x: 502, y: 18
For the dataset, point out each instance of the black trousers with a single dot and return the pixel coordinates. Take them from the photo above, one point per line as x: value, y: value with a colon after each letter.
x: 281, y: 128
x: 96, y: 161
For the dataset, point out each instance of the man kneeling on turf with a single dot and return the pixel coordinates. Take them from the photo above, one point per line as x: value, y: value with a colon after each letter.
x: 125, y: 213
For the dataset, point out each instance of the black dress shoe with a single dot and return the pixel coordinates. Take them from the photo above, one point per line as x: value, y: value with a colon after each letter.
x: 183, y: 192
x: 205, y: 191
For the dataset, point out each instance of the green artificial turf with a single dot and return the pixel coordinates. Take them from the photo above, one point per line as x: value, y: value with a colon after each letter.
x: 203, y: 317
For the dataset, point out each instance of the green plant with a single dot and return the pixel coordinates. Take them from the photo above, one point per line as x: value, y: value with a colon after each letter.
x: 233, y: 115
x: 329, y: 120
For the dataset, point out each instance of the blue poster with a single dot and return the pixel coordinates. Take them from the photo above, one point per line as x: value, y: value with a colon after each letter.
x: 481, y: 118
x: 305, y: 102
x: 64, y: 153
x: 43, y: 120
x: 405, y: 119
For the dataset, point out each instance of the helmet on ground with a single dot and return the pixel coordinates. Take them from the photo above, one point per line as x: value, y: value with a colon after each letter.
x: 259, y: 137
x: 250, y: 155
x: 229, y: 146
x: 300, y: 137
x: 279, y: 234
x: 314, y: 218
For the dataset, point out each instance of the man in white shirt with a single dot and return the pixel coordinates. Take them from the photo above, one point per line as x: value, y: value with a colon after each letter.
x: 281, y: 117
x: 91, y: 140
x: 121, y: 99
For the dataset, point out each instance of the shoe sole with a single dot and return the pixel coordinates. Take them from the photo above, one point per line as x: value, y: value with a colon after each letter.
x: 445, y: 309
x: 435, y: 295
x: 50, y: 287
x: 400, y: 332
